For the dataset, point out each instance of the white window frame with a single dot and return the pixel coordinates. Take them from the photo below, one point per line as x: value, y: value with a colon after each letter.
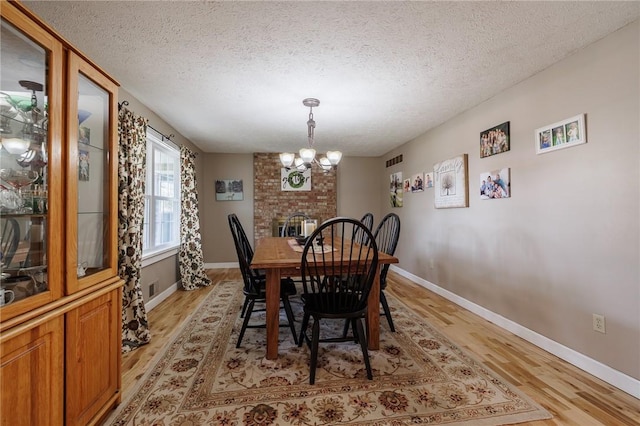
x: 153, y: 253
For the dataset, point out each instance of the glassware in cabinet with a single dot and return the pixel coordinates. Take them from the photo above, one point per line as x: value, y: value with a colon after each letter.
x: 29, y: 89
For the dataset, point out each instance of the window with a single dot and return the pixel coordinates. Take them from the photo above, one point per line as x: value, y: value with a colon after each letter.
x: 162, y: 195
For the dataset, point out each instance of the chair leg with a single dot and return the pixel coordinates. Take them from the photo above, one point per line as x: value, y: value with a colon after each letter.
x: 387, y: 311
x: 244, y: 307
x: 345, y: 330
x: 303, y: 328
x: 247, y: 316
x: 315, y: 337
x: 363, y: 345
x: 289, y: 312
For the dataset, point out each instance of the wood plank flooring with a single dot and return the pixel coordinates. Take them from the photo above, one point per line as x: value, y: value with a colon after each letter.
x: 574, y: 397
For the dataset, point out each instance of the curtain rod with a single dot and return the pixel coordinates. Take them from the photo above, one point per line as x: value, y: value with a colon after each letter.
x: 162, y: 135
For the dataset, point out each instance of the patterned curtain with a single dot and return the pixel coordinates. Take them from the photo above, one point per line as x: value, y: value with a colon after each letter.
x: 132, y: 132
x: 190, y: 259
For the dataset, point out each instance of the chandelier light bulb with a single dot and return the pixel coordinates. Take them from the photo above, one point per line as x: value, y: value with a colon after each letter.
x: 325, y: 164
x: 307, y: 154
x: 286, y: 158
x: 300, y: 165
x: 334, y: 157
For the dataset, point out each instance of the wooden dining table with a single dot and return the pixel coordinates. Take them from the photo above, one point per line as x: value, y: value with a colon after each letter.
x: 278, y: 258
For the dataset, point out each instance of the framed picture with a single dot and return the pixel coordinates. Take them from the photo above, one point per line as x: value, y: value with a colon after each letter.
x: 395, y: 189
x: 563, y: 134
x: 407, y: 185
x: 83, y: 165
x: 229, y: 190
x: 495, y: 184
x: 428, y: 180
x: 451, y: 182
x: 417, y: 183
x: 495, y: 140
x: 295, y: 180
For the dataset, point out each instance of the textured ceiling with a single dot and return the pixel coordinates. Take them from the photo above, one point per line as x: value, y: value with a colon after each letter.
x: 231, y: 76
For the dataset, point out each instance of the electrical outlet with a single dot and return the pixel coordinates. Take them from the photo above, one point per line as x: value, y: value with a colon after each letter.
x: 598, y: 323
x: 431, y: 263
x: 153, y: 287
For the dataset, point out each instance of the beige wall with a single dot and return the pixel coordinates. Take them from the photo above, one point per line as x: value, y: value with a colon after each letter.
x: 164, y: 272
x: 566, y: 245
x: 358, y: 187
x: 217, y: 242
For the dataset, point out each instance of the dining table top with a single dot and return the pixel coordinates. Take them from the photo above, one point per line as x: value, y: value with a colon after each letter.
x: 281, y: 252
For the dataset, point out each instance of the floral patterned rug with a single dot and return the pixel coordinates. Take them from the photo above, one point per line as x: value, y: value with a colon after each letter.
x: 420, y: 377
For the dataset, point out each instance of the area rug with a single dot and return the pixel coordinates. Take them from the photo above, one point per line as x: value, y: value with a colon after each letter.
x: 420, y: 377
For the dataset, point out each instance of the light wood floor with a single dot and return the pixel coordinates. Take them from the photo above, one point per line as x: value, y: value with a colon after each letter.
x: 571, y: 395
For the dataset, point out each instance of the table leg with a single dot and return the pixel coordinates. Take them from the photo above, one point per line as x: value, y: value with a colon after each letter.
x: 273, y: 311
x: 373, y: 313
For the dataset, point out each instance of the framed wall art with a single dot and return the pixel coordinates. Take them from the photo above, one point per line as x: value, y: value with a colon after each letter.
x: 495, y: 184
x: 407, y: 185
x: 295, y: 180
x: 229, y: 190
x: 428, y: 180
x: 395, y: 189
x: 563, y: 134
x: 451, y: 182
x: 495, y: 140
x: 417, y: 183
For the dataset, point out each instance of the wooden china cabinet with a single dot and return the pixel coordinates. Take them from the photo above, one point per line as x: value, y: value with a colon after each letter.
x: 61, y: 297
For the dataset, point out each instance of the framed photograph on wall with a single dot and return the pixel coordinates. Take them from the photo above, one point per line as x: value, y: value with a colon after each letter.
x: 417, y: 183
x: 407, y: 185
x: 229, y: 190
x: 495, y: 140
x: 563, y: 134
x: 395, y: 189
x: 451, y: 182
x: 495, y: 184
x: 428, y: 180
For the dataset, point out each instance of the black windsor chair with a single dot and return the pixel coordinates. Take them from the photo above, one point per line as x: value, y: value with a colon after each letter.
x: 336, y: 278
x: 255, y: 282
x: 367, y: 221
x: 293, y: 225
x: 387, y: 234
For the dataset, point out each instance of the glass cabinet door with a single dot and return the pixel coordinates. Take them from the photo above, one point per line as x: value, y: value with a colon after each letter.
x: 30, y: 126
x: 91, y: 176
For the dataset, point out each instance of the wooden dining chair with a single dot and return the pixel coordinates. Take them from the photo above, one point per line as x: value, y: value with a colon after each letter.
x: 387, y: 234
x: 337, y: 276
x: 254, y: 283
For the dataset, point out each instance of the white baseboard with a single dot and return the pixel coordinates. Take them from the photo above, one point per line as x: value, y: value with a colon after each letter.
x: 152, y: 303
x: 615, y: 378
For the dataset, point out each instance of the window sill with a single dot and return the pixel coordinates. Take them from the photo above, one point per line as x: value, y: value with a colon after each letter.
x: 152, y: 258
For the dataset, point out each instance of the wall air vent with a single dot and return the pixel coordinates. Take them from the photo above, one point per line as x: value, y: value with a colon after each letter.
x: 394, y: 160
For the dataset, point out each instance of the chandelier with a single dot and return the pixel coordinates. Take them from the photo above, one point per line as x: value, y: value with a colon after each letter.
x: 307, y: 156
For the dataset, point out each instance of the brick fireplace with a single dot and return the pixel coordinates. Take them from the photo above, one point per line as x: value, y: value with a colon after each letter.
x: 270, y: 202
